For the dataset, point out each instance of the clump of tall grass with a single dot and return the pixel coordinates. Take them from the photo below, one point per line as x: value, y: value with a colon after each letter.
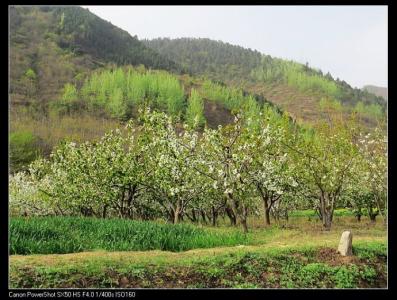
x: 50, y: 235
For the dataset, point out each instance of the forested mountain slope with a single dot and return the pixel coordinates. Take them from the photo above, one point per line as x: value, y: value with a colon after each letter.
x: 298, y: 88
x: 51, y: 46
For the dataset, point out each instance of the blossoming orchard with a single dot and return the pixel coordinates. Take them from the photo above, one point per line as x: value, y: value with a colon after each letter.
x: 159, y: 168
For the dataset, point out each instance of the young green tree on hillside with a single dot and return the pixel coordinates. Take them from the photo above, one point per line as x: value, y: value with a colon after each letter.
x: 194, y: 112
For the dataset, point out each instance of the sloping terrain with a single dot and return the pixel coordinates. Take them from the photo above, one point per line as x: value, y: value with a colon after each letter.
x: 376, y: 90
x: 51, y: 46
x: 297, y: 88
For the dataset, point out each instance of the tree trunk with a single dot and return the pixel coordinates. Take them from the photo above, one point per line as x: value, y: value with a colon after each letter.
x: 266, y: 206
x: 194, y: 219
x: 240, y: 211
x: 130, y: 199
x: 358, y: 218
x: 372, y: 215
x: 327, y: 220
x: 244, y: 219
x: 104, y: 211
x: 267, y: 213
x: 214, y: 216
x: 202, y: 212
x: 326, y: 211
x: 244, y: 223
x: 231, y: 216
x: 176, y: 215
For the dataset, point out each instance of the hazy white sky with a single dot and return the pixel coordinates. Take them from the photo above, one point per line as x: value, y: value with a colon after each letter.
x: 348, y: 41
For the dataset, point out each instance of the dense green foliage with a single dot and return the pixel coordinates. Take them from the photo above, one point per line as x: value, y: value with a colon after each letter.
x: 52, y: 46
x: 48, y: 235
x: 119, y: 92
x: 231, y: 98
x: 203, y: 56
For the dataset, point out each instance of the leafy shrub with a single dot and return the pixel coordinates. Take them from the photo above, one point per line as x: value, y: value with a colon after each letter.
x: 368, y: 273
x: 346, y: 277
x: 195, y: 108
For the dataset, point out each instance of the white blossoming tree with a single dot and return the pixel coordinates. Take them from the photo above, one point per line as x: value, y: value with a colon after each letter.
x: 171, y: 156
x: 94, y: 177
x: 229, y: 152
x: 272, y: 170
x: 25, y: 197
x: 369, y: 191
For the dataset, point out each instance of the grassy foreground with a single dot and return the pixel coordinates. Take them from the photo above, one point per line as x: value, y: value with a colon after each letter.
x: 51, y: 235
x: 297, y: 255
x: 232, y: 267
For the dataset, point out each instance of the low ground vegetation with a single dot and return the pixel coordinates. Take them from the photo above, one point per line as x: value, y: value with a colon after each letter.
x: 293, y: 256
x: 51, y: 235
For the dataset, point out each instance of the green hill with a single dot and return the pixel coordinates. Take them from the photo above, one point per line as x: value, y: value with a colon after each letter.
x: 51, y: 46
x: 296, y: 87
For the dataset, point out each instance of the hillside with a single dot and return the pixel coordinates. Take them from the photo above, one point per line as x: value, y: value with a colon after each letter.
x: 51, y: 46
x: 376, y: 90
x: 74, y: 76
x: 297, y: 88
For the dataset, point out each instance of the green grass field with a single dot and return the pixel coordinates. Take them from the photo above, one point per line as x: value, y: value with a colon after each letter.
x: 297, y: 254
x: 50, y: 235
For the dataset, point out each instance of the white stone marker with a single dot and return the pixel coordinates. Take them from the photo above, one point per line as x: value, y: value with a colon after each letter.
x: 345, y: 244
